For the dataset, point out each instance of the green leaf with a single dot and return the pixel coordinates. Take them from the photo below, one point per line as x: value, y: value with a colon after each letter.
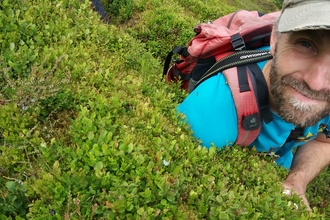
x: 140, y: 211
x: 12, y: 46
x: 223, y: 215
x: 3, y: 217
x: 88, y: 122
x: 56, y: 164
x: 130, y: 148
x: 90, y: 135
x: 99, y: 165
x: 11, y: 186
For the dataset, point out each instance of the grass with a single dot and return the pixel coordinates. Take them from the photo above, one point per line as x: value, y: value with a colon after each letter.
x: 89, y: 130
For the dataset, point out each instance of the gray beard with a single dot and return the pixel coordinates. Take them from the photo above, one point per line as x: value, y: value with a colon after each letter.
x: 290, y: 109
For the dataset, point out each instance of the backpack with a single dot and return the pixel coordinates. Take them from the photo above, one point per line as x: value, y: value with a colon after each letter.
x: 228, y: 45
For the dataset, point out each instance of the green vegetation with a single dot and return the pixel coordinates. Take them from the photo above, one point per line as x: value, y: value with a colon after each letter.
x: 89, y: 131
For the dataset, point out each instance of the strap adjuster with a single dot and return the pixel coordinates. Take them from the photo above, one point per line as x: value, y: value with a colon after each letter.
x: 237, y: 42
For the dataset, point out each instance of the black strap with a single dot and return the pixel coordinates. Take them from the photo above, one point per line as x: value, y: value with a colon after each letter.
x: 262, y: 92
x: 295, y: 133
x: 242, y: 79
x: 260, y: 88
x: 178, y: 75
x: 179, y: 50
x: 236, y: 59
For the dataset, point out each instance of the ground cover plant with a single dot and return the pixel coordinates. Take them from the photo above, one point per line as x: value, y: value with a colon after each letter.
x: 88, y: 130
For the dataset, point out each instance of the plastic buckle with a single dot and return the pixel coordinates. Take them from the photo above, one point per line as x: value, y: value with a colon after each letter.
x: 237, y: 42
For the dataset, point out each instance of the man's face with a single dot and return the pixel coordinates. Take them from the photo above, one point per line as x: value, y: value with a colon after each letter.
x: 300, y: 77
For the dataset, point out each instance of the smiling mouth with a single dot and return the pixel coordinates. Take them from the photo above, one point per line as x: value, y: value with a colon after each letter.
x: 303, y: 96
x: 302, y: 91
x: 305, y: 93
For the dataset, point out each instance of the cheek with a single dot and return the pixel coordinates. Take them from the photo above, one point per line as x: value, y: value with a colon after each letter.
x: 291, y: 61
x: 288, y: 64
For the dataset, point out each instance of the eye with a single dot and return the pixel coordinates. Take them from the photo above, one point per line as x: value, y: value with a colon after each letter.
x: 305, y: 44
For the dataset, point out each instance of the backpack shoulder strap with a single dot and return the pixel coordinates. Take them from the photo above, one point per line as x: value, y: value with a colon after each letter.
x: 262, y: 92
x: 250, y: 94
x: 248, y: 120
x: 238, y: 58
x: 249, y: 90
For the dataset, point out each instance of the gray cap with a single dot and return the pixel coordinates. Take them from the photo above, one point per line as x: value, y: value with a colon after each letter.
x: 300, y: 15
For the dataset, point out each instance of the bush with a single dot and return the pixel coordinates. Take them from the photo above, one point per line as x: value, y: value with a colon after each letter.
x: 89, y: 130
x: 119, y: 9
x: 13, y: 202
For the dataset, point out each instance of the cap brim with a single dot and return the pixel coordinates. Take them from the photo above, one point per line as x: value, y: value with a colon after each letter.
x: 313, y: 16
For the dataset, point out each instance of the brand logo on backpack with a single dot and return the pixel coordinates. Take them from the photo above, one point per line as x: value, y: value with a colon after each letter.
x: 251, y: 122
x: 249, y: 56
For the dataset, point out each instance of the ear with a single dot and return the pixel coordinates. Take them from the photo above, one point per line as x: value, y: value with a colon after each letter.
x: 273, y: 39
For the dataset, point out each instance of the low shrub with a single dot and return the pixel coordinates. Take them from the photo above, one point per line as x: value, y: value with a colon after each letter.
x: 89, y: 130
x: 119, y: 10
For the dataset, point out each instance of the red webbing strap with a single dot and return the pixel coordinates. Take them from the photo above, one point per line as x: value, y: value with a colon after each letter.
x: 245, y: 103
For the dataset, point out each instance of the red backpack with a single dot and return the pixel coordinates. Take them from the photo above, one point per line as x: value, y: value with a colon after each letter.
x: 227, y: 46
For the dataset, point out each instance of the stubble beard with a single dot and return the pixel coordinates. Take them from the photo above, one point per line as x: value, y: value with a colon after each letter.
x: 293, y: 110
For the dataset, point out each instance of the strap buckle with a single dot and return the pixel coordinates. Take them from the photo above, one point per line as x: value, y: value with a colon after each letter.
x: 237, y: 42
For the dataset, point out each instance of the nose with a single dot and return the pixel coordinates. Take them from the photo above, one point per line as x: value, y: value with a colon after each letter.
x: 318, y: 74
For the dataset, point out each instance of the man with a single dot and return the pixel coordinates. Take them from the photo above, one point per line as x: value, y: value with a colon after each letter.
x: 298, y: 79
